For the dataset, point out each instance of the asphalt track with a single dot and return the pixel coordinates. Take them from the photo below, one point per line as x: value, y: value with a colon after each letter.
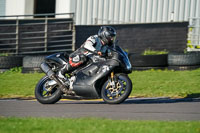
x: 131, y: 109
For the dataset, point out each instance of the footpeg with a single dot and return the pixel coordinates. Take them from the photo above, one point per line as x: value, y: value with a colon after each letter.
x: 70, y: 92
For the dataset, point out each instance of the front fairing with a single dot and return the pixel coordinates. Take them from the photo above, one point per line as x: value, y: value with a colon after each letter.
x: 122, y: 57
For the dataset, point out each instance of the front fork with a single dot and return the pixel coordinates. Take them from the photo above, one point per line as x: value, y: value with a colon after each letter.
x: 112, y: 76
x: 113, y: 86
x: 112, y: 81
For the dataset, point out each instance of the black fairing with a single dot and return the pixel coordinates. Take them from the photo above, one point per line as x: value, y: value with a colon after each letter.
x: 58, y: 59
x: 90, y: 80
x: 122, y: 57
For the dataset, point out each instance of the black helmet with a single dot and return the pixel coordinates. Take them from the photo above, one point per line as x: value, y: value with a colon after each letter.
x: 107, y: 34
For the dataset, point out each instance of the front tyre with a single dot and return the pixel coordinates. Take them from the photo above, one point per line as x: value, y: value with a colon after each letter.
x: 47, y: 94
x: 118, y: 91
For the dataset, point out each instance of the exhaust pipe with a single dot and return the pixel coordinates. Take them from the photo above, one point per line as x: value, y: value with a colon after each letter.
x: 46, y: 69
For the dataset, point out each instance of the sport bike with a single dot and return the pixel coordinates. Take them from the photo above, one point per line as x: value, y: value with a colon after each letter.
x: 105, y: 78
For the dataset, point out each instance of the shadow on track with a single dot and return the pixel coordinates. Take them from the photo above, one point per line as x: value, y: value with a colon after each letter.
x: 160, y: 100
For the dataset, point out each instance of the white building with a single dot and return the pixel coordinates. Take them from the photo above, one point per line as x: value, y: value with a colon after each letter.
x: 108, y: 11
x: 89, y: 12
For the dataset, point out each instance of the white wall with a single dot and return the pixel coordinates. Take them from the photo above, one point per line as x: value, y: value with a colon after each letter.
x: 15, y: 7
x: 19, y: 7
x: 134, y: 11
x: 63, y: 6
x: 115, y: 11
x: 2, y: 7
x: 29, y: 7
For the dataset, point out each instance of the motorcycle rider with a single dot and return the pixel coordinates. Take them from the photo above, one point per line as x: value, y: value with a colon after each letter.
x: 97, y: 44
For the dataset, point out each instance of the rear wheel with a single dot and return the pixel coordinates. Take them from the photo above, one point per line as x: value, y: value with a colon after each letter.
x: 115, y: 92
x: 46, y: 94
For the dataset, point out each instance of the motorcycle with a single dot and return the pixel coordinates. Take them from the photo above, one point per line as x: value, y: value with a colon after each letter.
x: 105, y: 78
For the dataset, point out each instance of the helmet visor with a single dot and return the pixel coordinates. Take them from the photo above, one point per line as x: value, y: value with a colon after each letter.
x: 113, y: 39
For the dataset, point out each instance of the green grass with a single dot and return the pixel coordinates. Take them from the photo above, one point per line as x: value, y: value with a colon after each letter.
x: 154, y: 52
x: 155, y: 83
x: 94, y: 125
x: 4, y: 54
x: 16, y: 84
x: 151, y: 83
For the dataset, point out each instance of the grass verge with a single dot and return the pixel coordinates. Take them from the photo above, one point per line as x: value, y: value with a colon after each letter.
x: 94, y: 125
x: 15, y: 84
x: 151, y: 83
x: 154, y: 52
x: 156, y: 83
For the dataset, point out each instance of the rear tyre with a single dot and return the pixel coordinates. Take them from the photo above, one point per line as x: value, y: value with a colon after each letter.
x: 43, y: 95
x: 7, y: 62
x: 182, y: 68
x: 31, y: 70
x: 32, y: 64
x: 33, y: 61
x: 184, y: 59
x: 148, y: 60
x: 122, y: 90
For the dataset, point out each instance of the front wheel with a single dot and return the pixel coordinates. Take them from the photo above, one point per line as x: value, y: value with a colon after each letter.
x: 46, y: 94
x: 115, y: 92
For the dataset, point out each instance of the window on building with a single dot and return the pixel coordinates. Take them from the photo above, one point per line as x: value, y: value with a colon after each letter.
x: 44, y: 7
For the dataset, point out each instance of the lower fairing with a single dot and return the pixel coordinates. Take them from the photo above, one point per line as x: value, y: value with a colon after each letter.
x: 90, y: 80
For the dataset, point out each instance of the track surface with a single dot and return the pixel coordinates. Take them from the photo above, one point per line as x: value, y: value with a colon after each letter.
x: 132, y: 109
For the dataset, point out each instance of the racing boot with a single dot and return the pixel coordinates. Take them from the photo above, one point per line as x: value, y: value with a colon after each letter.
x: 61, y: 74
